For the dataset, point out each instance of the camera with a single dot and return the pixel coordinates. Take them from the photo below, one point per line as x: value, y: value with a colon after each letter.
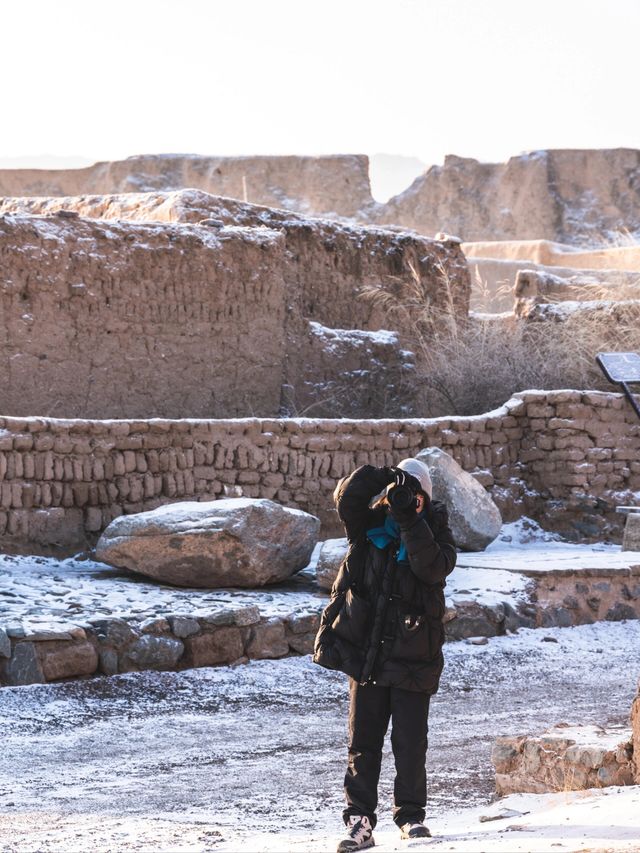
x: 401, y: 497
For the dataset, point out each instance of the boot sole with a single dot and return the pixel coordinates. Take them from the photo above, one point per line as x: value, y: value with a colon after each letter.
x: 406, y: 837
x: 370, y: 843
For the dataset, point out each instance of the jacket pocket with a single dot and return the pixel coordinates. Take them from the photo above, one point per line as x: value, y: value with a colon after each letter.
x: 419, y: 637
x: 352, y: 619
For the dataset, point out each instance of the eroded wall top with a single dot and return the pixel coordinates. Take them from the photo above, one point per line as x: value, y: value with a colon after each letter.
x: 323, y: 185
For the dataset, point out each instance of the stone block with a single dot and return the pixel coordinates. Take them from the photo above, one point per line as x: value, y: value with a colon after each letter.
x: 24, y: 666
x: 5, y: 644
x: 631, y: 537
x: 267, y: 640
x: 301, y: 643
x: 67, y: 659
x: 113, y: 632
x: 220, y: 646
x: 184, y: 626
x: 152, y: 652
x: 154, y: 625
x: 303, y: 623
x: 108, y: 661
x: 246, y: 616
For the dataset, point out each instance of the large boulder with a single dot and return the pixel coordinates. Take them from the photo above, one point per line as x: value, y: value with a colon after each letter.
x: 474, y: 518
x: 332, y: 553
x: 244, y: 542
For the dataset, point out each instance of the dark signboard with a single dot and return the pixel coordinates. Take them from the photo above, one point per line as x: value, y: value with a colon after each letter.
x: 620, y: 366
x: 623, y: 369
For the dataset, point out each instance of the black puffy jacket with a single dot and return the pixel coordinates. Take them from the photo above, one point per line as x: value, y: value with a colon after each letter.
x: 383, y: 624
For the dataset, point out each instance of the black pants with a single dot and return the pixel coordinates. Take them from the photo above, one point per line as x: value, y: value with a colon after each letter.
x: 370, y: 708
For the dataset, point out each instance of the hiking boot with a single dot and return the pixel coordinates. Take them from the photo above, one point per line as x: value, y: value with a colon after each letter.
x: 414, y: 830
x: 359, y: 834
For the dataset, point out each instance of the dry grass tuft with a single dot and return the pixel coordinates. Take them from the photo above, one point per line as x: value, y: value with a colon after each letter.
x: 472, y: 367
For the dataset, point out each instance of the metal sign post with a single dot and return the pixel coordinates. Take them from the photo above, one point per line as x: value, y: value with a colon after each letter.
x: 623, y: 369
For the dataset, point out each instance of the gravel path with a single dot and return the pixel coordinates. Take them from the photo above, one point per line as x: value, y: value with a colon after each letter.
x: 209, y: 759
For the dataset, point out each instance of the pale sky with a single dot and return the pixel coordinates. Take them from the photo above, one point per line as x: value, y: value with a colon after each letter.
x: 421, y: 78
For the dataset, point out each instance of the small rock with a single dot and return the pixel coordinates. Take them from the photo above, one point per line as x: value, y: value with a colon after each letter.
x: 217, y: 619
x: 302, y: 643
x: 549, y: 640
x: 477, y: 641
x: 152, y: 652
x: 268, y: 640
x: 303, y: 623
x: 115, y: 632
x: 247, y: 616
x: 5, y: 644
x: 184, y: 626
x: 108, y: 661
x: 620, y: 612
x: 24, y: 667
x: 221, y: 646
x: 67, y: 659
x: 154, y: 625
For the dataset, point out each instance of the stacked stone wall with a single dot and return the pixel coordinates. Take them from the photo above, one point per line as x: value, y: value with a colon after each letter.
x: 565, y: 457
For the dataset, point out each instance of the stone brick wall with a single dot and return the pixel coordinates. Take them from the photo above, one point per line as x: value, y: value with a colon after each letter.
x: 565, y: 457
x: 111, y: 645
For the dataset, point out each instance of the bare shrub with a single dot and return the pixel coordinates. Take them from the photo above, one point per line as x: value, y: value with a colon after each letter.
x: 472, y: 367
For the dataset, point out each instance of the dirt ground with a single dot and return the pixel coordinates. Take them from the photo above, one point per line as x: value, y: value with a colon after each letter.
x: 215, y: 759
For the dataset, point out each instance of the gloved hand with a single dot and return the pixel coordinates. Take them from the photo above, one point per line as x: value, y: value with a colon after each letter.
x: 401, y: 478
x: 402, y: 498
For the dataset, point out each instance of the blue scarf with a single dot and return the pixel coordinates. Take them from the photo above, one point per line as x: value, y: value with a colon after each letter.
x: 389, y: 533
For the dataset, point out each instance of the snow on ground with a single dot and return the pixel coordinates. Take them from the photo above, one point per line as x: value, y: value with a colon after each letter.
x: 252, y: 758
x: 44, y: 591
x: 524, y: 546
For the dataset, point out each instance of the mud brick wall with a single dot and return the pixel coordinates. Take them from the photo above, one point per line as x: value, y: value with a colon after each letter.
x: 171, y: 318
x: 336, y: 184
x: 136, y: 320
x: 565, y: 457
x: 325, y: 261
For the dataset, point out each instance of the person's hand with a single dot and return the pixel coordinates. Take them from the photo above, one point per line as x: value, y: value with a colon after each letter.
x: 436, y: 515
x: 404, y: 479
x: 403, y: 500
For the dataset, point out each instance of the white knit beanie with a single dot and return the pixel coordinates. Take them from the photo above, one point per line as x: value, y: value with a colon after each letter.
x: 420, y: 471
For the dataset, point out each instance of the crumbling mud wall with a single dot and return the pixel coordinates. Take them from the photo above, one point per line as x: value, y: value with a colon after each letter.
x: 578, y: 197
x: 337, y: 185
x: 203, y: 250
x: 551, y: 254
x: 570, y: 196
x: 138, y: 320
x: 567, y: 458
x: 326, y: 260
